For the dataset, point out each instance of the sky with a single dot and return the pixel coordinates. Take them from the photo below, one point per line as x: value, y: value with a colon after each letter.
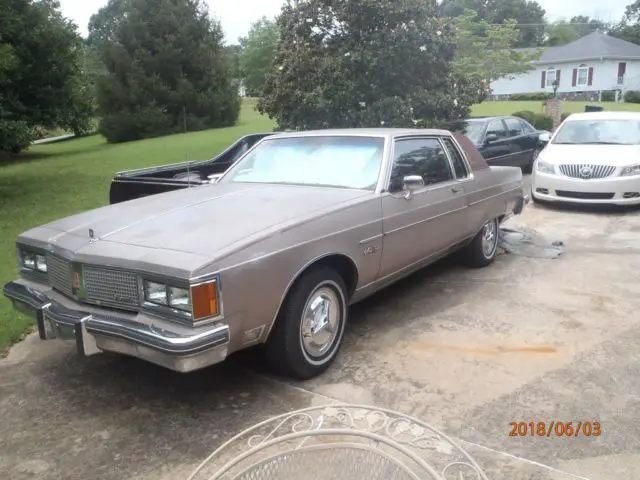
x: 236, y: 16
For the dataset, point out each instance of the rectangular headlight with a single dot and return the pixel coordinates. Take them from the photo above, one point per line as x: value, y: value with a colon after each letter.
x: 631, y: 170
x: 544, y: 167
x: 155, y: 292
x: 180, y: 299
x: 30, y: 260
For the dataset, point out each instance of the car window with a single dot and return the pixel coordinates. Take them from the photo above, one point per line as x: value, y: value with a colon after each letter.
x: 472, y: 129
x: 526, y: 126
x: 599, y: 131
x: 419, y: 156
x: 497, y: 128
x: 514, y: 127
x: 459, y: 165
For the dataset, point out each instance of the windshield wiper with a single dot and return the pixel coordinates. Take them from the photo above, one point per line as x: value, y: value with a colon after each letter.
x: 604, y: 143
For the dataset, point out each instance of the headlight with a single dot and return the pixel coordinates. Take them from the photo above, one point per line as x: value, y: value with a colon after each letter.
x: 544, y: 167
x: 198, y: 301
x: 630, y: 170
x: 30, y: 260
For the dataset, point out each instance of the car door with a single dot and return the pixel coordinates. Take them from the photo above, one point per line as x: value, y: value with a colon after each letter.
x: 431, y: 218
x: 520, y: 141
x: 497, y: 147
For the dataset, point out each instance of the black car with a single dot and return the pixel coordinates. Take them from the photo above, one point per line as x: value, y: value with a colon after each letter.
x: 504, y: 140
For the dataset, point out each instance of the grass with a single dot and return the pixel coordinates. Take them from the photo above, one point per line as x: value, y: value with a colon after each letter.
x: 507, y: 108
x: 51, y: 181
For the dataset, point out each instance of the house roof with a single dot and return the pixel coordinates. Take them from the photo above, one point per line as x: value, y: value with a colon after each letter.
x: 593, y: 45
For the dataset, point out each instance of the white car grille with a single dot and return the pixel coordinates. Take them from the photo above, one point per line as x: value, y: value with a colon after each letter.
x: 586, y: 171
x: 96, y: 285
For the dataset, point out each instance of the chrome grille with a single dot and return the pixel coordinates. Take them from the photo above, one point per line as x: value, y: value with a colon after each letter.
x: 59, y: 271
x: 586, y: 171
x: 115, y: 288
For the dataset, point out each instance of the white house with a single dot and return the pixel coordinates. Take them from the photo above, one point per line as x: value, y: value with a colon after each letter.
x: 583, y: 69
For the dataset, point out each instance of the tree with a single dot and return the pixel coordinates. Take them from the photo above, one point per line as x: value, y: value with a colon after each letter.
x: 233, y: 54
x: 563, y: 32
x: 258, y: 51
x: 629, y: 27
x: 528, y: 14
x: 496, y: 42
x: 365, y: 63
x: 41, y: 79
x: 166, y: 70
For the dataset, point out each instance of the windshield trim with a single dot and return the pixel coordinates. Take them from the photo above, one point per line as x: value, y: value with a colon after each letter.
x: 554, y: 141
x: 378, y: 187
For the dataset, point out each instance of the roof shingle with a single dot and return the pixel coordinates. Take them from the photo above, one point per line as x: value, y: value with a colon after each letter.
x: 593, y: 45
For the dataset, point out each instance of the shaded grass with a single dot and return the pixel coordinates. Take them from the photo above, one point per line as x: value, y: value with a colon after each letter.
x: 55, y: 180
x: 507, y: 108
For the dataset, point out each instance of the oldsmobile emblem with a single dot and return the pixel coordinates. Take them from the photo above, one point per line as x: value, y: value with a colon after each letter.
x: 585, y: 172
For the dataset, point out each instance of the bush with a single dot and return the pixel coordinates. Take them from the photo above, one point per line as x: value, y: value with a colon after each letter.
x: 15, y: 135
x: 632, y: 96
x: 564, y: 116
x: 527, y: 115
x: 543, y: 122
x: 608, y: 96
x: 527, y: 97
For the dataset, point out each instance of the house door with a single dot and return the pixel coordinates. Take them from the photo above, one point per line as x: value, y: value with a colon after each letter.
x: 622, y: 70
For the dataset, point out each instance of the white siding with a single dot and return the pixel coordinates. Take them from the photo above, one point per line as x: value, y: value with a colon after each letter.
x: 605, y: 77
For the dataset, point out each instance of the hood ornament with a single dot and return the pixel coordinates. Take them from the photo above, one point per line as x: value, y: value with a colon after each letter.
x: 92, y: 236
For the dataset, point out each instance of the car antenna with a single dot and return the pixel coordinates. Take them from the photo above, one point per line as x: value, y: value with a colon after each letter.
x: 186, y: 156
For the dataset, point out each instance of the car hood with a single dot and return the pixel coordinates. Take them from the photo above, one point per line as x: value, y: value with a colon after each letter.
x: 209, y: 221
x: 615, y: 155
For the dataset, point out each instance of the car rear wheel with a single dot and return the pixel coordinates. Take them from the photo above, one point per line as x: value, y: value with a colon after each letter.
x: 310, y: 326
x: 483, y: 248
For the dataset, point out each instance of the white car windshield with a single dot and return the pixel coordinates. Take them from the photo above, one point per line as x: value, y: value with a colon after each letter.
x: 322, y: 160
x: 599, y: 132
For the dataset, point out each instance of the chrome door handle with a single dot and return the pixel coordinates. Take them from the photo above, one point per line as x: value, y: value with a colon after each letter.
x: 456, y: 189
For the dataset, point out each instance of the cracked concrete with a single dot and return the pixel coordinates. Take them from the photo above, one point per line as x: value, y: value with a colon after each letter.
x: 467, y: 351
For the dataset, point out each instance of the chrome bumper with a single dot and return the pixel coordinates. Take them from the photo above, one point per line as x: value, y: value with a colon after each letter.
x: 97, y: 332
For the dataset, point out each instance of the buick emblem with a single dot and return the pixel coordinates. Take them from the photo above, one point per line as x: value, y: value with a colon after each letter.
x: 585, y: 172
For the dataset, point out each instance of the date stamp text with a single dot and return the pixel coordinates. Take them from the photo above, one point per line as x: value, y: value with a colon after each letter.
x: 555, y: 428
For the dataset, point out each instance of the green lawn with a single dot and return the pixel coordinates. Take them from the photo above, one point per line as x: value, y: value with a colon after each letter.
x: 52, y: 181
x: 55, y: 180
x: 507, y: 108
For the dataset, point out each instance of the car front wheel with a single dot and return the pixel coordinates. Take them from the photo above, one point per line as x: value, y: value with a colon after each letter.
x: 310, y: 326
x: 483, y: 248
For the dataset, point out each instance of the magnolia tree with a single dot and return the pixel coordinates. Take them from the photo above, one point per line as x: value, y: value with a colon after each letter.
x: 365, y: 63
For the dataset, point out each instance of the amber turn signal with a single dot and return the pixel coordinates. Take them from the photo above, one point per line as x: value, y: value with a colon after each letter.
x: 204, y: 300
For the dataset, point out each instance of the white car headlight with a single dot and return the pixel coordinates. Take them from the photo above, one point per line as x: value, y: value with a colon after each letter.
x: 30, y: 260
x: 167, y: 295
x: 545, y: 167
x: 630, y: 170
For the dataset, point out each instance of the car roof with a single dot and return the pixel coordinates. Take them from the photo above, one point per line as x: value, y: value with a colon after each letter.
x: 604, y: 116
x: 363, y: 132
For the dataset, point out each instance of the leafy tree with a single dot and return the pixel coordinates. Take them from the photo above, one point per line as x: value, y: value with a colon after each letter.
x: 258, y: 51
x: 563, y: 32
x: 365, y: 63
x: 629, y: 27
x: 232, y: 54
x: 528, y: 14
x: 41, y: 80
x: 166, y: 71
x: 496, y: 42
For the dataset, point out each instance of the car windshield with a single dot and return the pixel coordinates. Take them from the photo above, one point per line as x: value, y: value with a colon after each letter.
x: 323, y: 160
x: 472, y: 129
x: 599, y: 132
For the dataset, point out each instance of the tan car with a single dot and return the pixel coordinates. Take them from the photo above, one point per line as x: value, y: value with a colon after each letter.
x: 297, y: 229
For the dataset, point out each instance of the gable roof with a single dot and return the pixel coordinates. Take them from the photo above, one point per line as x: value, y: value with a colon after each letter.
x: 591, y: 46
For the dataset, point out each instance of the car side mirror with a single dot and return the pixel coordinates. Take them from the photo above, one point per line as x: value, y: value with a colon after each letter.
x: 490, y: 138
x: 544, y: 137
x: 411, y: 183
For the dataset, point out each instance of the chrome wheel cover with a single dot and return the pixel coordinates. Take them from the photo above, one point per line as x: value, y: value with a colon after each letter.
x: 489, y: 239
x: 321, y: 323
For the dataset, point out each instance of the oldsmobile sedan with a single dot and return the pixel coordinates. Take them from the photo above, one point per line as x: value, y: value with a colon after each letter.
x: 301, y: 226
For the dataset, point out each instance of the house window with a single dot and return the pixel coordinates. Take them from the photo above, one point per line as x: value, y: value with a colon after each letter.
x: 551, y: 77
x: 583, y: 76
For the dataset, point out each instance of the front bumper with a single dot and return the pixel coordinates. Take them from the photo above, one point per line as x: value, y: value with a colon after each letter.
x: 99, y: 330
x: 610, y: 190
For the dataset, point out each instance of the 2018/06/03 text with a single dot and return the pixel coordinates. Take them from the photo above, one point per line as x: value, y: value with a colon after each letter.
x: 555, y: 428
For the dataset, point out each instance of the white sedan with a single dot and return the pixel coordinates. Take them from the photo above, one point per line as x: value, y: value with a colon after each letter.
x: 592, y: 157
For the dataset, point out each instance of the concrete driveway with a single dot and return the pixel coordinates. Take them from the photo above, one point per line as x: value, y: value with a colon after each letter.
x: 527, y: 339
